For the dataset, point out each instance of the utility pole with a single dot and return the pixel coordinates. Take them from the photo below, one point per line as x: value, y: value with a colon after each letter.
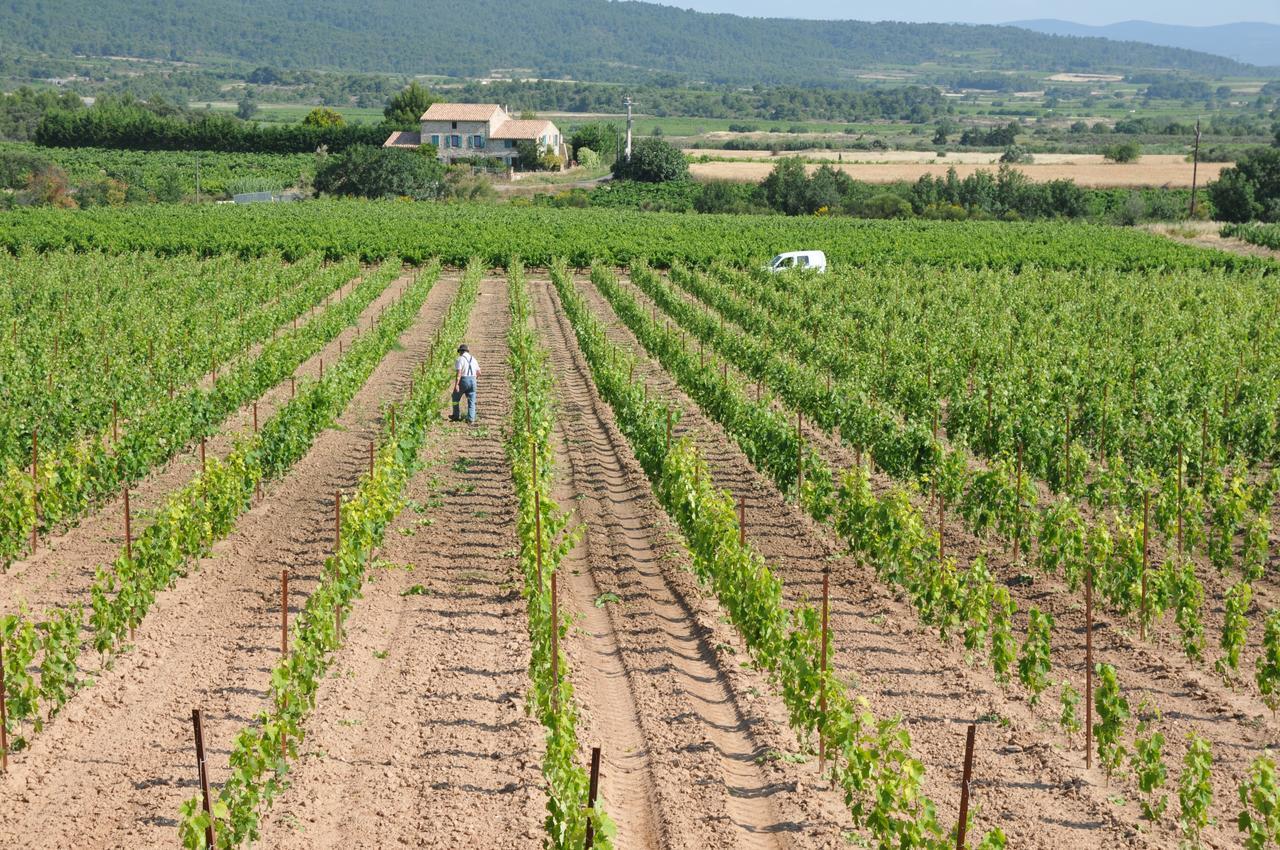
x: 1195, y: 167
x: 628, y: 103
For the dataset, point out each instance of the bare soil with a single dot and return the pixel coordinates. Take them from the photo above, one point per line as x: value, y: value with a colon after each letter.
x: 113, y: 768
x: 692, y: 744
x: 1030, y: 781
x: 420, y: 735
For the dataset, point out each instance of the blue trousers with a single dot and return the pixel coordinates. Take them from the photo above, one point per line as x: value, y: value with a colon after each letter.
x: 466, y: 387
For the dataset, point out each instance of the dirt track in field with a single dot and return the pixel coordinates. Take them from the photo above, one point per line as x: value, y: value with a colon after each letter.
x: 1207, y: 234
x: 62, y: 570
x: 1029, y: 780
x: 419, y: 736
x: 1191, y: 697
x: 689, y: 736
x: 113, y: 768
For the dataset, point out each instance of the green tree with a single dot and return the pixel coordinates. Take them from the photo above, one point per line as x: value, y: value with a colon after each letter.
x: 406, y: 107
x: 601, y: 138
x: 1251, y: 189
x: 246, y: 108
x: 372, y: 172
x: 1232, y: 197
x: 169, y: 187
x: 653, y: 161
x: 323, y: 116
x: 528, y: 155
x: 786, y: 189
x: 1123, y: 152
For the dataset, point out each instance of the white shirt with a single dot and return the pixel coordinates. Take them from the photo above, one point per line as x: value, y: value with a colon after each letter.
x: 466, y: 366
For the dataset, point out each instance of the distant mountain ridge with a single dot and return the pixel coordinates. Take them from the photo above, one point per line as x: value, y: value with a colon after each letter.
x: 1255, y: 43
x: 584, y: 39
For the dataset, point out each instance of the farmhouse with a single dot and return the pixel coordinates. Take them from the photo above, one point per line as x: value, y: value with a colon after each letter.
x: 464, y: 130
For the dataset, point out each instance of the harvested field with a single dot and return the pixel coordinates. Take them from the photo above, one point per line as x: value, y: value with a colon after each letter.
x: 1085, y: 169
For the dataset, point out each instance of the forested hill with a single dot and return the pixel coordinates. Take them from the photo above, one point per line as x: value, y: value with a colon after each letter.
x: 594, y: 39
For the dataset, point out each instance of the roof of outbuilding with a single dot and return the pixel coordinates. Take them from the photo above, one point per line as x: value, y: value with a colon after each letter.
x: 403, y: 139
x: 460, y: 112
x: 517, y: 129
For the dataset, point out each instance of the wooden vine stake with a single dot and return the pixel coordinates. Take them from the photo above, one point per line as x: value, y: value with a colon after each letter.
x: 965, y: 778
x: 822, y: 690
x: 742, y: 521
x: 128, y: 529
x: 1088, y: 666
x: 293, y: 386
x: 942, y: 525
x: 115, y: 422
x: 1179, y: 501
x: 255, y: 417
x: 337, y: 521
x: 799, y: 456
x: 202, y: 771
x: 1066, y: 454
x: 4, y: 718
x: 1017, y: 508
x: 284, y: 612
x: 555, y: 639
x: 1146, y: 555
x: 593, y: 791
x: 537, y: 517
x: 1204, y: 442
x: 35, y: 488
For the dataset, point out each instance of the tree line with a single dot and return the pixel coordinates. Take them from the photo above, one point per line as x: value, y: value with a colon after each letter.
x: 124, y: 124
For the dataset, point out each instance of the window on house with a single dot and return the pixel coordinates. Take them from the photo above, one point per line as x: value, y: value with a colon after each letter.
x: 477, y: 141
x: 511, y: 143
x: 455, y: 141
x: 455, y: 126
x: 435, y: 139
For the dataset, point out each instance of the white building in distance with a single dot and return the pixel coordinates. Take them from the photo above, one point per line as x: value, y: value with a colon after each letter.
x: 466, y: 130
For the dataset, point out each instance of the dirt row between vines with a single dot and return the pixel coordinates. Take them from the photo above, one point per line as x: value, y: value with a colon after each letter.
x: 691, y: 737
x: 62, y: 570
x: 1029, y: 780
x: 114, y: 767
x: 420, y: 736
x: 1191, y: 697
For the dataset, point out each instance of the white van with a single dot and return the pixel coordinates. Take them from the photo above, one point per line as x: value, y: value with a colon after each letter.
x: 812, y: 260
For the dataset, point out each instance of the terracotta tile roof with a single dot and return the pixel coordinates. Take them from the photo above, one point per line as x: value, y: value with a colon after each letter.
x: 403, y: 139
x: 515, y: 129
x: 460, y: 112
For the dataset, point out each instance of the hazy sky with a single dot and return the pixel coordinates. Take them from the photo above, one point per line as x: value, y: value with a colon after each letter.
x: 1093, y: 12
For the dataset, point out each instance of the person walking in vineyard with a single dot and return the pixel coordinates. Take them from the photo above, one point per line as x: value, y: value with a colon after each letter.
x: 464, y: 383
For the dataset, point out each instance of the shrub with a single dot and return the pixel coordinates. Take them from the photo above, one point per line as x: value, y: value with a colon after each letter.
x: 1016, y: 155
x: 373, y: 172
x: 323, y: 116
x: 653, y: 160
x: 885, y: 205
x: 1123, y: 152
